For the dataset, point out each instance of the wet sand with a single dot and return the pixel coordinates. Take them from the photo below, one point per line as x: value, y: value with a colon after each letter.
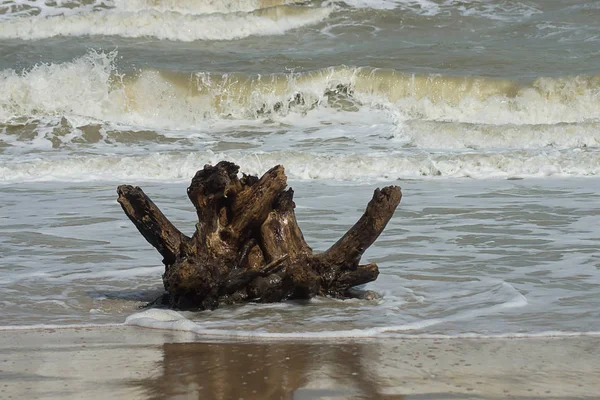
x: 135, y: 363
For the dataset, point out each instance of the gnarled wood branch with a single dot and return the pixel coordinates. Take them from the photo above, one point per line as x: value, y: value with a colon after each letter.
x: 151, y: 222
x: 248, y: 245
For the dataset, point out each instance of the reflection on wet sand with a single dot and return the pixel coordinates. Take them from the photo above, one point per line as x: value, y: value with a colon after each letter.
x: 121, y: 362
x: 264, y: 371
x: 547, y: 368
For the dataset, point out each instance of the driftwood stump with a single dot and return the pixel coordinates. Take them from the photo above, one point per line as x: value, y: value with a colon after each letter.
x: 248, y: 246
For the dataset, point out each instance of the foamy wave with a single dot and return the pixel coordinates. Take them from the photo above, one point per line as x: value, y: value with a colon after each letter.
x: 420, y: 97
x: 91, y: 87
x: 166, y: 25
x: 476, y: 137
x: 42, y: 8
x: 420, y: 7
x: 10, y: 9
x: 497, y: 10
x: 305, y: 166
x: 173, y: 320
x: 199, y: 6
x: 376, y: 4
x: 81, y: 87
x: 481, y: 100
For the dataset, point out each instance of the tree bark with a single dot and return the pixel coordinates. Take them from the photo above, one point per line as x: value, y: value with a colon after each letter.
x: 248, y: 246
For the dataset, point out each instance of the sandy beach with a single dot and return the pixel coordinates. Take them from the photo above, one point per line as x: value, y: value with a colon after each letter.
x: 135, y: 363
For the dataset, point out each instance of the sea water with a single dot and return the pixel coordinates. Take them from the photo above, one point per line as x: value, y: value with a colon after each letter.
x: 486, y: 113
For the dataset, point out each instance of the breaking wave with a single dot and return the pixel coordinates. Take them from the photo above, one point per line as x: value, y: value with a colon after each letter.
x: 166, y: 25
x: 200, y: 6
x: 43, y: 8
x: 91, y: 86
x: 501, y: 10
x: 376, y: 123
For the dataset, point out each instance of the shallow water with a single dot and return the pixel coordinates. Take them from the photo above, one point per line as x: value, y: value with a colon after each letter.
x: 486, y: 113
x: 460, y: 256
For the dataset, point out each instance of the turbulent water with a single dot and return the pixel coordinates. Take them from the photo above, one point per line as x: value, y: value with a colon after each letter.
x: 487, y: 113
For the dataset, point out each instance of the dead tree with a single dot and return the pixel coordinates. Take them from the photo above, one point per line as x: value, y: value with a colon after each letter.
x: 247, y: 245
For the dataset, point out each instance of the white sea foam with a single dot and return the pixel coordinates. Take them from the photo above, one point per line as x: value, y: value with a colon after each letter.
x: 45, y: 8
x: 499, y: 11
x: 496, y: 10
x: 80, y: 87
x: 172, y: 320
x: 421, y: 7
x: 306, y: 166
x: 166, y: 25
x: 389, y: 318
x: 199, y: 6
x: 481, y: 137
x: 376, y: 4
x: 387, y: 121
x: 91, y: 87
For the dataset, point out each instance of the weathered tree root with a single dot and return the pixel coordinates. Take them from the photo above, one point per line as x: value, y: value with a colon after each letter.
x: 248, y: 246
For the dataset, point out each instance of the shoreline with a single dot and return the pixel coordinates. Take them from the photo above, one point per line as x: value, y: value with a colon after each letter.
x: 130, y: 362
x: 226, y: 336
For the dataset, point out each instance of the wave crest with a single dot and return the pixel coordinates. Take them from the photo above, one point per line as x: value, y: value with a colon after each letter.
x: 199, y: 7
x: 166, y: 25
x: 92, y: 87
